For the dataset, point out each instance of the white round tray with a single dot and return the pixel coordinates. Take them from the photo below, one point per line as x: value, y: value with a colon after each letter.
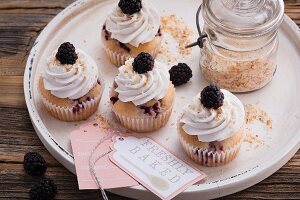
x: 81, y: 23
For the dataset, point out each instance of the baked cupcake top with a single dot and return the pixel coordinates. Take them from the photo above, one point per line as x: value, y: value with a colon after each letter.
x: 133, y: 22
x: 213, y: 115
x: 70, y: 73
x: 142, y: 79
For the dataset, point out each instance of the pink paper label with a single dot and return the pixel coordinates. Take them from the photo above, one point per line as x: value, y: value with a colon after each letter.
x: 83, y: 143
x: 153, y: 166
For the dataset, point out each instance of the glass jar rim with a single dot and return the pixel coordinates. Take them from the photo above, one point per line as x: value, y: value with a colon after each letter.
x: 216, y: 24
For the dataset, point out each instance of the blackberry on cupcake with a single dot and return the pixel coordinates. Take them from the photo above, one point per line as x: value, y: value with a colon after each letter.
x: 143, y: 63
x: 130, y: 6
x: 66, y: 54
x: 212, y: 97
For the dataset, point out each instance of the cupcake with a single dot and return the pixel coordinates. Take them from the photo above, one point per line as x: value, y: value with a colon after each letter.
x: 70, y: 87
x: 133, y: 27
x: 211, y: 127
x: 142, y: 96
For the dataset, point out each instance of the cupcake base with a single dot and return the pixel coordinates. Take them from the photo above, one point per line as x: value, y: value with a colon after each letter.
x: 135, y: 119
x: 144, y: 124
x: 82, y: 112
x: 212, y: 154
x: 72, y: 110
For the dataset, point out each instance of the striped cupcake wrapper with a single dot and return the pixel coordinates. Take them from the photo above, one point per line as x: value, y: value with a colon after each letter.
x: 206, y: 157
x: 71, y: 114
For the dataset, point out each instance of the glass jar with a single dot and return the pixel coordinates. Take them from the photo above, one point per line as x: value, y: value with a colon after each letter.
x: 240, y: 46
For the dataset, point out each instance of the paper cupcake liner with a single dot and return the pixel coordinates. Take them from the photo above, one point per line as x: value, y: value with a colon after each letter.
x: 210, y: 158
x: 86, y: 109
x: 144, y: 124
x: 119, y: 59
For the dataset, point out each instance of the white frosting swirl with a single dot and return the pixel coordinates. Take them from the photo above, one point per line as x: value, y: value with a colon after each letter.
x: 141, y: 88
x: 135, y: 29
x: 214, y: 125
x: 70, y: 81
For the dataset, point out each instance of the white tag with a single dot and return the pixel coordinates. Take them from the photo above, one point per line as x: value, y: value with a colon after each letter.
x: 153, y: 166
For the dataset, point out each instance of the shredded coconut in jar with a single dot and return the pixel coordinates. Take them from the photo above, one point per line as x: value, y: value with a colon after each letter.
x: 246, y: 71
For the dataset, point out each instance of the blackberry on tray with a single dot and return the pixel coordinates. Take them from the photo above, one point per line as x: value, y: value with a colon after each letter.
x: 180, y: 74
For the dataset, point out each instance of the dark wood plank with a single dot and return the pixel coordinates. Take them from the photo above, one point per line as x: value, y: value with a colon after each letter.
x: 15, y: 184
x: 11, y: 88
x: 20, y: 23
x: 292, y: 9
x: 34, y: 4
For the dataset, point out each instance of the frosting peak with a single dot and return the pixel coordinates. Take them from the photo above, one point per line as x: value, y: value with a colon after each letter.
x: 214, y: 125
x: 141, y: 88
x: 70, y: 81
x: 135, y: 29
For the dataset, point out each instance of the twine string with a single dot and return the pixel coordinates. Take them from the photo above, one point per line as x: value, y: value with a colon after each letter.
x: 199, y: 41
x: 93, y: 162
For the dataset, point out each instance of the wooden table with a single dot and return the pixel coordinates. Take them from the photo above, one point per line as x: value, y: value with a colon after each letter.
x: 20, y: 23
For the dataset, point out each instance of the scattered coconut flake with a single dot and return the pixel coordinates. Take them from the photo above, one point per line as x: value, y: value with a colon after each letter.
x: 254, y: 113
x: 254, y: 139
x: 181, y: 34
x: 105, y: 124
